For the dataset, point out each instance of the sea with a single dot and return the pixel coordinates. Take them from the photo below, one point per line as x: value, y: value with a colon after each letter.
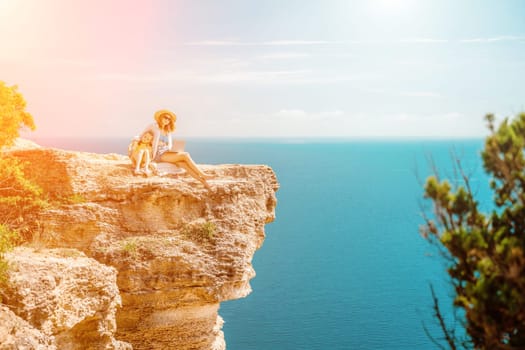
x: 343, y: 265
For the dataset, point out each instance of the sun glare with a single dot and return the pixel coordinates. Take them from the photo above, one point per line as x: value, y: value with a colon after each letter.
x: 7, y: 13
x: 6, y: 4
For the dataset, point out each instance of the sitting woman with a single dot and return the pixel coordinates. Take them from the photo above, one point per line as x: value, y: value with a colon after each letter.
x: 162, y: 131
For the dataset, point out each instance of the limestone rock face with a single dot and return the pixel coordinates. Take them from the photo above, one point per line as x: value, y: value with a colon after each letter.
x: 16, y: 333
x: 68, y: 297
x: 179, y: 249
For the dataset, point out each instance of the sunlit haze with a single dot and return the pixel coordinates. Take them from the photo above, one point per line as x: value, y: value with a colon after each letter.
x: 235, y: 68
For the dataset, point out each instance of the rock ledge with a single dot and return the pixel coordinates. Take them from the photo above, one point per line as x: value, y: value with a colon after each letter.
x: 164, y: 248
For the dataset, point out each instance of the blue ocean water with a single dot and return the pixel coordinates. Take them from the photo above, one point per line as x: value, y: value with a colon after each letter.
x: 343, y: 266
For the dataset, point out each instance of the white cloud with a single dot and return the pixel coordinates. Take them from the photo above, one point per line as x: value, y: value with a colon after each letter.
x: 301, y: 42
x: 287, y: 122
x: 415, y: 40
x: 448, y: 124
x: 224, y: 76
x: 130, y: 77
x: 429, y: 94
x: 422, y: 94
x: 290, y: 113
x: 272, y: 43
x: 494, y: 39
x: 451, y: 116
x: 284, y: 56
x: 300, y: 122
x: 299, y: 55
x: 217, y: 43
x: 44, y: 61
x: 228, y: 76
x: 282, y: 76
x: 301, y: 115
x: 423, y: 41
x: 424, y: 118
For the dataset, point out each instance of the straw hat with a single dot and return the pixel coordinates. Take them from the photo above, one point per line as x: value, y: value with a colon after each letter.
x: 163, y: 112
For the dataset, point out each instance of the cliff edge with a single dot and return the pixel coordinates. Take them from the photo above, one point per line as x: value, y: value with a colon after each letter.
x: 159, y: 253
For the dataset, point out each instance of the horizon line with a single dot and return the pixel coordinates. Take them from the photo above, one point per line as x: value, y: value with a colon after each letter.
x: 247, y: 138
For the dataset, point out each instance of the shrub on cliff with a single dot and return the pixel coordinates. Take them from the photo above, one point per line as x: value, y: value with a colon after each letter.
x: 485, y: 252
x: 13, y: 116
x: 8, y: 239
x: 18, y: 196
x: 202, y: 231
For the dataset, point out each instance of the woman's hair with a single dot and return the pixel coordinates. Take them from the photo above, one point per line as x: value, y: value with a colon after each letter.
x: 170, y: 127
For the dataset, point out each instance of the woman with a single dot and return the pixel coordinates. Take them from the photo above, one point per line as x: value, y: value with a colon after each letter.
x: 162, y: 129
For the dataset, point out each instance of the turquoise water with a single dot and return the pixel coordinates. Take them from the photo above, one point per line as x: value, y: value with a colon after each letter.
x: 343, y: 266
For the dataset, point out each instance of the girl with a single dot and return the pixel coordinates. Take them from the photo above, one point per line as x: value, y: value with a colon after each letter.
x: 140, y: 153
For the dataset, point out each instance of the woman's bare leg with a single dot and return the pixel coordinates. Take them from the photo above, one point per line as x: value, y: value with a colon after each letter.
x: 175, y: 157
x: 190, y: 171
x: 187, y: 158
x: 184, y: 161
x: 192, y: 163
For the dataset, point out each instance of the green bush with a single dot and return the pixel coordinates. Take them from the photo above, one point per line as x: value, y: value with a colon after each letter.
x: 485, y: 252
x: 19, y: 197
x: 8, y: 239
x: 130, y: 247
x: 13, y: 116
x: 208, y: 230
x: 203, y: 231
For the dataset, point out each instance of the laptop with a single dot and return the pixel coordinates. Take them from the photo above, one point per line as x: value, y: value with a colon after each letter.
x: 178, y: 146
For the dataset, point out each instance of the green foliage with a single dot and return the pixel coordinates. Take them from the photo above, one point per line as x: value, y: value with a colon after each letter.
x: 202, y: 231
x: 486, y: 251
x: 76, y: 198
x: 58, y: 200
x: 8, y: 238
x: 13, y: 116
x: 208, y: 230
x: 130, y: 247
x: 19, y: 197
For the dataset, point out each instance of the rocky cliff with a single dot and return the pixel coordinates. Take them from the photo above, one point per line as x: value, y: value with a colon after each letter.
x: 119, y: 260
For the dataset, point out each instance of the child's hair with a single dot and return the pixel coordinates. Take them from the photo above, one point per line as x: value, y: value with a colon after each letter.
x: 144, y: 134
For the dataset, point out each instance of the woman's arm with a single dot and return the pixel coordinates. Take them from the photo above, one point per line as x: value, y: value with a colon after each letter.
x: 156, y: 136
x: 170, y: 142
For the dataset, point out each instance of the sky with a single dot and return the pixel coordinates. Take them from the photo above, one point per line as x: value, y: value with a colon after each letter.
x: 272, y: 68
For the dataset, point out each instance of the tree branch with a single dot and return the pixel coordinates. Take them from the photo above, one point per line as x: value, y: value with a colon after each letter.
x: 437, y: 313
